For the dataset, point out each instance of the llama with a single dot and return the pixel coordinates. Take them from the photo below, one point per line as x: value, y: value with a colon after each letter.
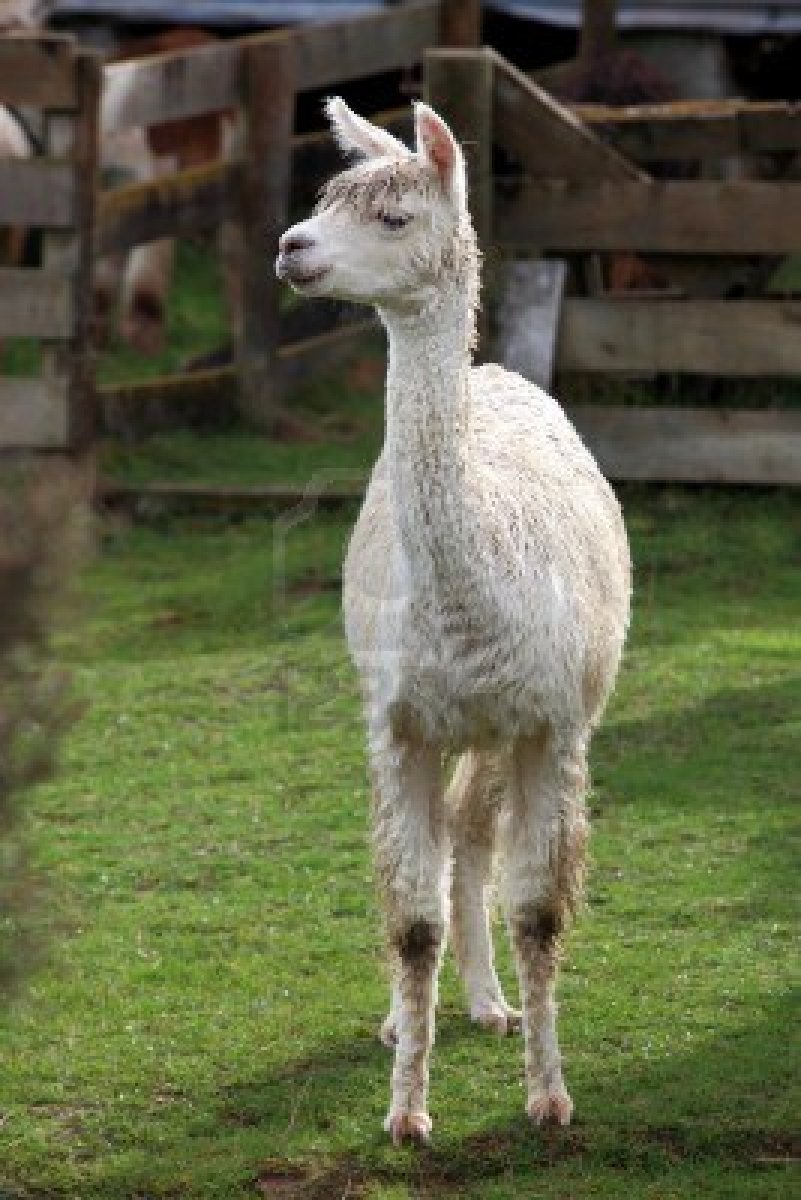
x: 486, y: 597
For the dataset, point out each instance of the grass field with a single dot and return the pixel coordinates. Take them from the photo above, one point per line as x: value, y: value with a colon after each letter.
x: 208, y: 1016
x: 205, y: 1025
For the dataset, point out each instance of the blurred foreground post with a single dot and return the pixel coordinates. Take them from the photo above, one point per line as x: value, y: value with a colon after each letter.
x: 41, y: 541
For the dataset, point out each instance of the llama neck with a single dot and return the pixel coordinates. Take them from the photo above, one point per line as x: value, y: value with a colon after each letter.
x: 427, y: 420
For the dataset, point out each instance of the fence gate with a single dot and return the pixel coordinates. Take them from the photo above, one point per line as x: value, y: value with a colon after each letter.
x: 54, y: 192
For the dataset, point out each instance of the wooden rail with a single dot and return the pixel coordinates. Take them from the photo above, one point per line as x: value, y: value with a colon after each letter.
x: 182, y: 203
x: 700, y: 216
x: 35, y: 304
x: 726, y: 338
x: 693, y: 445
x: 170, y: 87
x: 38, y: 193
x: 544, y: 135
x: 703, y: 131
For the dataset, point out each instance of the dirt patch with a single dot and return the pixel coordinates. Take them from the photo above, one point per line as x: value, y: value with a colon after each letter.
x: 342, y: 1181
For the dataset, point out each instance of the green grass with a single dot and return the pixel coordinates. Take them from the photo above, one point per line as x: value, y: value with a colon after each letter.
x: 196, y: 323
x: 344, y: 419
x: 208, y: 1015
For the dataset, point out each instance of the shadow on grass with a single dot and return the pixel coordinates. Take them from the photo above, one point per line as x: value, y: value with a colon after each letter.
x: 723, y: 1103
x: 735, y: 734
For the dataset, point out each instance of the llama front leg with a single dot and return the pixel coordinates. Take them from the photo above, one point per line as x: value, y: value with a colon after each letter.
x: 545, y: 865
x: 411, y: 854
x: 474, y: 801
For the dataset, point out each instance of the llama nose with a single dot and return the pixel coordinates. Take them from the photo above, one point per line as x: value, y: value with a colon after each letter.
x: 291, y: 242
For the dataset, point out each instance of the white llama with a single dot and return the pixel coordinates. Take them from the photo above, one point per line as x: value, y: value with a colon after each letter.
x: 486, y: 596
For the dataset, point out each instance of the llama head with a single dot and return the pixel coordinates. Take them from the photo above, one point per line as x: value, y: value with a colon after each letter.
x: 391, y: 228
x: 23, y: 14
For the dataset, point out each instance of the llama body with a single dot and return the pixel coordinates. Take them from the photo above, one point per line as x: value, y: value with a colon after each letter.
x: 471, y: 617
x: 486, y: 593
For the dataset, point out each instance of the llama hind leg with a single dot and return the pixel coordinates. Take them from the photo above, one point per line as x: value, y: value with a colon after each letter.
x: 475, y: 797
x: 545, y: 864
x: 411, y: 852
x: 388, y: 1033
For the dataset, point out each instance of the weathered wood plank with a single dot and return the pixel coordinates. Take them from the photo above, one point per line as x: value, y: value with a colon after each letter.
x: 37, y: 70
x: 34, y: 414
x: 548, y: 138
x: 35, y: 304
x: 705, y: 337
x: 170, y: 87
x: 173, y: 205
x: 36, y: 193
x: 270, y: 84
x: 693, y: 445
x: 698, y: 130
x: 383, y: 41
x: 675, y: 216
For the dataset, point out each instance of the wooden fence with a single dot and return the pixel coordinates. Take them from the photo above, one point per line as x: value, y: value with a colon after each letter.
x: 582, y: 187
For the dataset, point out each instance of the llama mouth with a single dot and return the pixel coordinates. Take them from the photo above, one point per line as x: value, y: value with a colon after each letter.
x: 300, y: 280
x: 312, y: 277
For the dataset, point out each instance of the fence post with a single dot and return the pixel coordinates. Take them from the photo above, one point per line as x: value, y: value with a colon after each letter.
x: 74, y: 135
x: 458, y: 84
x: 460, y: 23
x: 269, y: 103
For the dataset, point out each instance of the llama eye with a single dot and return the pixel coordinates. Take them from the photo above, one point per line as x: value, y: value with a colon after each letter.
x: 394, y: 221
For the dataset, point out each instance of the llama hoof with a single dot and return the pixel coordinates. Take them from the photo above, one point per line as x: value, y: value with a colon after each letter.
x: 546, y: 1107
x: 388, y: 1033
x: 496, y: 1016
x: 408, y: 1127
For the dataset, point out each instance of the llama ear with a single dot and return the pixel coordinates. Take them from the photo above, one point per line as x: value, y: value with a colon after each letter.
x: 437, y: 146
x: 357, y: 136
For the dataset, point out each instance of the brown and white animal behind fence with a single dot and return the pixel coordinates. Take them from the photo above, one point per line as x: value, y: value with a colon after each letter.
x: 486, y: 597
x: 141, y: 279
